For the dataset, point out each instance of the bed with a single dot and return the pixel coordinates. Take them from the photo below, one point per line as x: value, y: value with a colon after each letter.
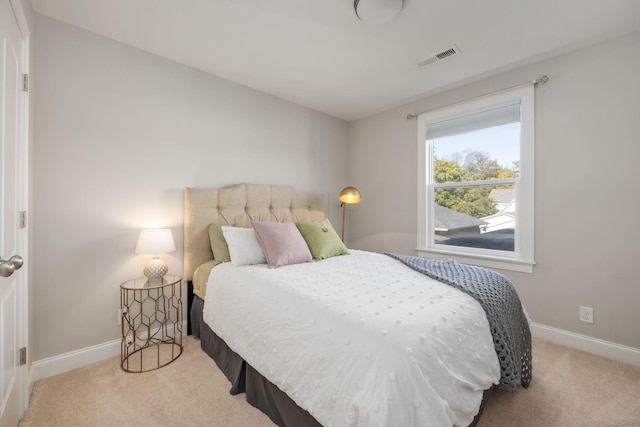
x: 358, y: 339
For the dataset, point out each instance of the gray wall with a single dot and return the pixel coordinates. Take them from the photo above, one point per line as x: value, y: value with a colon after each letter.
x: 118, y: 135
x: 587, y: 228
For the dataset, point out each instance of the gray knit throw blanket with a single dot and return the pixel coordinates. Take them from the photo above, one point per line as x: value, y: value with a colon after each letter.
x: 499, y: 299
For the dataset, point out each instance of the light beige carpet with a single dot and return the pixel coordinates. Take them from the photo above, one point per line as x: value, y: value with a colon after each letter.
x: 570, y: 388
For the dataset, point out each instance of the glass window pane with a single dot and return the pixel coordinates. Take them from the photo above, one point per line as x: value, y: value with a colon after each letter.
x: 478, y: 155
x: 476, y: 216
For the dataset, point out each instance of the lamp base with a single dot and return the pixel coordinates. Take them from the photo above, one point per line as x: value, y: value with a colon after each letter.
x: 155, y: 271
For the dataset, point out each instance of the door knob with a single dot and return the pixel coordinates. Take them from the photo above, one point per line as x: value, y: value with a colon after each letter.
x: 7, y: 267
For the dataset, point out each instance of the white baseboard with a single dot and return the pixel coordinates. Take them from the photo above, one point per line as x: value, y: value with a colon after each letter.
x: 76, y: 359
x: 586, y: 343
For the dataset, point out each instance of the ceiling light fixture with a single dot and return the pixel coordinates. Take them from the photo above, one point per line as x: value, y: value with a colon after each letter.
x: 377, y: 11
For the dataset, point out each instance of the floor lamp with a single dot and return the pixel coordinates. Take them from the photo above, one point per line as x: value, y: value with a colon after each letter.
x: 348, y: 195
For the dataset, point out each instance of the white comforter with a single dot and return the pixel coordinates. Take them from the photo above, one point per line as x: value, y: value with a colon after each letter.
x: 358, y: 340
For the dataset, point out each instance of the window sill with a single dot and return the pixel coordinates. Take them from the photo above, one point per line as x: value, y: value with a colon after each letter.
x: 502, y: 263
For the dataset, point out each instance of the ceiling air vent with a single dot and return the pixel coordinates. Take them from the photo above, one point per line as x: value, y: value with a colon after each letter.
x: 440, y: 56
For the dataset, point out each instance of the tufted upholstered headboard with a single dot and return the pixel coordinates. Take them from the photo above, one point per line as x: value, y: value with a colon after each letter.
x: 238, y: 206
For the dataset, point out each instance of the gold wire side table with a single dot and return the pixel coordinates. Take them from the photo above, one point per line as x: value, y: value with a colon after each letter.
x: 151, y: 323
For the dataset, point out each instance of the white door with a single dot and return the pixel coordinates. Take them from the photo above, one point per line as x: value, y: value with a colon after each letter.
x: 12, y: 237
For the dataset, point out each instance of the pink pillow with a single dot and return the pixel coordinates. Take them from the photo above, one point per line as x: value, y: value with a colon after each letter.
x: 281, y: 243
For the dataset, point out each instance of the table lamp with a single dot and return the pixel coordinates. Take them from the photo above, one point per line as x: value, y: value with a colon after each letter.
x: 155, y: 241
x: 348, y: 195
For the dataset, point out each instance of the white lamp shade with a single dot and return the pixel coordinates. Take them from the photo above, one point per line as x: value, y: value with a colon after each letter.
x: 155, y: 241
x: 377, y: 11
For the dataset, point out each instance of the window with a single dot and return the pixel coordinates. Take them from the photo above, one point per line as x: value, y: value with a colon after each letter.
x: 475, y: 189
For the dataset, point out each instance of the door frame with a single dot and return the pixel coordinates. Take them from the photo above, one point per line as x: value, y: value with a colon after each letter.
x: 23, y: 336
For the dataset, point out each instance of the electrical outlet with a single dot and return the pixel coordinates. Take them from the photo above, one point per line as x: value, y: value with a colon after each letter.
x: 119, y: 317
x: 586, y: 314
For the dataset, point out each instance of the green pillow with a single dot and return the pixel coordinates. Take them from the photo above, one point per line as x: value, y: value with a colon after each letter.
x: 218, y: 244
x: 201, y: 276
x: 322, y: 239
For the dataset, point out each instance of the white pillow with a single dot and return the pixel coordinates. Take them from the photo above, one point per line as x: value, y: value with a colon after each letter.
x: 244, y: 248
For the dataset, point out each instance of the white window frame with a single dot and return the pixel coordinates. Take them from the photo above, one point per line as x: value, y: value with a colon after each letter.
x: 522, y: 258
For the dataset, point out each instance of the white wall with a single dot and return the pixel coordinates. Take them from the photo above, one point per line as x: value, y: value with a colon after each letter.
x: 587, y: 181
x: 118, y: 135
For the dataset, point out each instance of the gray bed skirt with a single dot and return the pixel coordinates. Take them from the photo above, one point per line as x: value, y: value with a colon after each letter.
x: 244, y: 379
x: 261, y: 393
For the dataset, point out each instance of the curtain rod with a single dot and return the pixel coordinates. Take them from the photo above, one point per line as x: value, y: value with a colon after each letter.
x: 535, y: 82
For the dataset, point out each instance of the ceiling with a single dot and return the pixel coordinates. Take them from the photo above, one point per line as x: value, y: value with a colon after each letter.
x: 318, y: 54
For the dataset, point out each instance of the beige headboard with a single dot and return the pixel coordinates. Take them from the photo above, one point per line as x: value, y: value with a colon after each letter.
x: 238, y: 206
